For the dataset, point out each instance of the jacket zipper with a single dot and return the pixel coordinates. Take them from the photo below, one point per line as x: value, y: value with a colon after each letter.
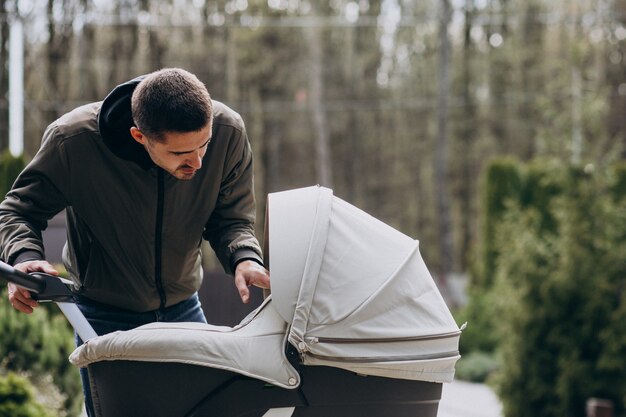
x: 158, y: 238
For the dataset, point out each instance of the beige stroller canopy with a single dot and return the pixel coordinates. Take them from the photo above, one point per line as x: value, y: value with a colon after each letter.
x: 348, y: 291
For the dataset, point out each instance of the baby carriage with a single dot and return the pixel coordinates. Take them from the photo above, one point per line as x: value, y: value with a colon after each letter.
x: 354, y: 326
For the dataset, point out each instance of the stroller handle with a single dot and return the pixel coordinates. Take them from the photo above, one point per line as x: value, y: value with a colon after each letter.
x: 46, y: 287
x: 43, y: 287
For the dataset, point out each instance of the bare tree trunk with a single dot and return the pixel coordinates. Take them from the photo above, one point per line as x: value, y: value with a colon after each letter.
x: 157, y: 50
x: 499, y: 79
x: 441, y: 152
x: 266, y: 134
x: 531, y: 78
x: 577, y: 62
x: 124, y: 44
x: 467, y: 136
x: 88, y: 76
x: 232, y: 90
x: 577, y: 114
x: 613, y: 74
x: 266, y: 157
x: 316, y: 91
x: 4, y: 78
x: 349, y: 162
x: 58, y: 52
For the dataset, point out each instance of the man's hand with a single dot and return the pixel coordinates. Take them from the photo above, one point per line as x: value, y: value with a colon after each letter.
x: 20, y: 298
x: 250, y: 273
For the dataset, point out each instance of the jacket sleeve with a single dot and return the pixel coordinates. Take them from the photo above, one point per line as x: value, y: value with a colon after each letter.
x: 230, y: 229
x: 38, y: 194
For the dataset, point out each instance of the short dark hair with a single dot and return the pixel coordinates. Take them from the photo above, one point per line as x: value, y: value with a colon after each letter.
x: 170, y: 100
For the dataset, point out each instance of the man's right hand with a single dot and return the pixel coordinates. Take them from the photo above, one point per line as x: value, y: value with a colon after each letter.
x: 20, y: 298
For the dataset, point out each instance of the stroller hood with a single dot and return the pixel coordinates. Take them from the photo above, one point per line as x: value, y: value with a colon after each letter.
x: 356, y: 291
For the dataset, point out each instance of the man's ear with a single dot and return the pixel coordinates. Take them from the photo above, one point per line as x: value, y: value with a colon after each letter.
x: 137, y: 135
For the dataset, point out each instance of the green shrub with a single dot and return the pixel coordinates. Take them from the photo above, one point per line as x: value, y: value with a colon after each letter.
x: 17, y: 398
x: 40, y: 343
x: 481, y: 315
x: 502, y: 185
x: 476, y: 366
x: 507, y: 184
x: 543, y: 182
x: 561, y: 328
x: 618, y: 183
x: 10, y: 167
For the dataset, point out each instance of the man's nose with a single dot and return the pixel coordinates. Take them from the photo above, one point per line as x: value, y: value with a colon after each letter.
x: 195, y: 161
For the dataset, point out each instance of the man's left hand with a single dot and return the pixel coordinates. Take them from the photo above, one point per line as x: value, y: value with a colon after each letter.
x: 250, y: 273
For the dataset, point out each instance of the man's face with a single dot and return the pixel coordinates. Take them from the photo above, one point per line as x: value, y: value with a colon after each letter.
x: 180, y: 153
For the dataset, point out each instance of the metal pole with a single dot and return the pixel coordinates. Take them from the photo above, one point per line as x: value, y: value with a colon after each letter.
x: 16, y: 87
x: 597, y: 407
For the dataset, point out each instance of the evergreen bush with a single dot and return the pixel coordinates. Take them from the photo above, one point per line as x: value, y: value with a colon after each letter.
x: 561, y: 277
x: 543, y: 182
x: 480, y: 314
x: 502, y: 185
x: 618, y: 181
x: 40, y: 343
x: 10, y: 167
x: 476, y: 366
x: 17, y: 398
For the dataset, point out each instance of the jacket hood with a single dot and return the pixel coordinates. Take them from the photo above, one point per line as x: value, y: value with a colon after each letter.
x: 115, y: 120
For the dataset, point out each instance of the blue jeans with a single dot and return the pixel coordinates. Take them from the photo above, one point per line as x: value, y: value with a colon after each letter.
x: 106, y: 319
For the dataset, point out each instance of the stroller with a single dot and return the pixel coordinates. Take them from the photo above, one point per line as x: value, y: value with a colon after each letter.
x: 354, y: 326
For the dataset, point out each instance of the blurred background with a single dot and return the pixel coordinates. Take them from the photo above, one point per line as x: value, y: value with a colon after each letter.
x: 491, y: 130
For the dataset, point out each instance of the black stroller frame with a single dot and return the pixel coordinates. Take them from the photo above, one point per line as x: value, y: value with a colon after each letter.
x: 136, y: 388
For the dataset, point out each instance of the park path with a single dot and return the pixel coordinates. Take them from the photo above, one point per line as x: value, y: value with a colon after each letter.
x: 467, y: 399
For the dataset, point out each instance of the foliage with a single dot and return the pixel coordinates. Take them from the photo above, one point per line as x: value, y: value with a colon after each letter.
x: 560, y: 325
x: 543, y: 181
x: 476, y: 366
x: 554, y: 309
x: 10, y: 167
x: 508, y: 183
x: 480, y: 314
x: 618, y: 182
x: 40, y: 343
x: 17, y: 398
x: 502, y: 185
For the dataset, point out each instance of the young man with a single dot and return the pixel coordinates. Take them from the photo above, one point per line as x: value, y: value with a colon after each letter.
x: 144, y: 176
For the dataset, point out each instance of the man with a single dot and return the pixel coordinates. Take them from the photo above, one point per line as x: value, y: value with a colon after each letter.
x: 144, y: 176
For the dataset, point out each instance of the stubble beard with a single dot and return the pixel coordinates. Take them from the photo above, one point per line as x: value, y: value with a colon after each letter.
x: 181, y: 175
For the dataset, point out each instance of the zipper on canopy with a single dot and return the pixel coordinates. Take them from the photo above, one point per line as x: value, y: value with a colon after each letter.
x: 383, y: 340
x: 374, y: 359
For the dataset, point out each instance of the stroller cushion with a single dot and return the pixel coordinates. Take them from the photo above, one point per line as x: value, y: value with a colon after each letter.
x: 255, y: 347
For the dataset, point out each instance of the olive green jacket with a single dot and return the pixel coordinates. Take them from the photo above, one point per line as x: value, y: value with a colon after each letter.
x: 133, y: 230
